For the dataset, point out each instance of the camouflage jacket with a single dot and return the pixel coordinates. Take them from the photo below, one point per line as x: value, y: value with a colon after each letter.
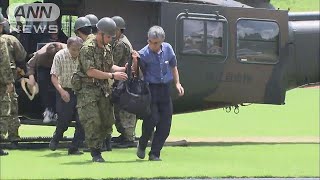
x: 17, y: 53
x: 91, y: 56
x: 121, y: 50
x: 90, y: 37
x: 6, y: 75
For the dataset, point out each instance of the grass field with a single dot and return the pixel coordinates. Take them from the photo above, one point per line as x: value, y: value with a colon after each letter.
x: 298, y: 118
x: 216, y: 161
x: 297, y: 5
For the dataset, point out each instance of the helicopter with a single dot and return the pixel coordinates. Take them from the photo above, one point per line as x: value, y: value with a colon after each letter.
x: 229, y: 52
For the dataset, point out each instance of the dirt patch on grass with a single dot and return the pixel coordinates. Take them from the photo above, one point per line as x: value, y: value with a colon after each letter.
x: 306, y: 139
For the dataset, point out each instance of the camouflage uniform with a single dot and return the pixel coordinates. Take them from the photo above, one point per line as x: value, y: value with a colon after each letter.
x: 17, y: 55
x: 90, y: 37
x: 94, y: 108
x: 125, y: 121
x: 6, y: 77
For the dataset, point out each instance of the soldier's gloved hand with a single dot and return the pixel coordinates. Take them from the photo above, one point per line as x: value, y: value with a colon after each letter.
x: 120, y: 76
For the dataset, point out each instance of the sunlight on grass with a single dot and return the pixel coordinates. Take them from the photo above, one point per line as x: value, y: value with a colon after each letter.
x: 297, y: 5
x: 215, y: 161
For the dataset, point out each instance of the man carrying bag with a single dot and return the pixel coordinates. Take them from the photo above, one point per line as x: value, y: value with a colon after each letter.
x: 159, y: 67
x: 133, y: 95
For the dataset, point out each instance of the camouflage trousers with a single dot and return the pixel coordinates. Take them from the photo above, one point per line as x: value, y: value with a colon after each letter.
x: 125, y: 123
x: 9, y: 121
x: 97, y: 119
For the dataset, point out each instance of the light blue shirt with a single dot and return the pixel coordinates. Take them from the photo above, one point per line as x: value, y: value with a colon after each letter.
x: 156, y: 67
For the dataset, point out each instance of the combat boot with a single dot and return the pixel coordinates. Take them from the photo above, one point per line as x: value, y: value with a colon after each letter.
x: 14, y: 137
x: 3, y: 153
x: 96, y: 155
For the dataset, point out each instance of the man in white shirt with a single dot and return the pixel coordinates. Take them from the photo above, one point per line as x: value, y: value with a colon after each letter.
x: 65, y: 63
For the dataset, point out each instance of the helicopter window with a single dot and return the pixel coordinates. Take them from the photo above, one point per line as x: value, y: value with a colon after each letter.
x: 202, y: 37
x: 67, y: 23
x: 257, y: 41
x: 214, y: 37
x: 193, y: 36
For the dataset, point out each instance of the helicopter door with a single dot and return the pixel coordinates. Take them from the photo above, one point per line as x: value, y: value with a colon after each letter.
x: 229, y: 55
x: 201, y: 48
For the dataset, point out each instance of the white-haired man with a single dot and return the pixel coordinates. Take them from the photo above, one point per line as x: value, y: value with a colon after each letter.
x: 159, y: 66
x: 65, y: 63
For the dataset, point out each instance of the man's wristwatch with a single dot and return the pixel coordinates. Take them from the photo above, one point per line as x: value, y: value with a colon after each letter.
x: 112, y: 77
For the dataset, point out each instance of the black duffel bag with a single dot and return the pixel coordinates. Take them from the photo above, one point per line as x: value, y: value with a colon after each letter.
x: 133, y: 95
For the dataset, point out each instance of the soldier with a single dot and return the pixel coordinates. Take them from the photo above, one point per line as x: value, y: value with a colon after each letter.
x: 121, y: 50
x: 65, y: 63
x: 94, y: 107
x: 17, y: 55
x: 93, y: 20
x: 6, y: 84
x: 82, y: 28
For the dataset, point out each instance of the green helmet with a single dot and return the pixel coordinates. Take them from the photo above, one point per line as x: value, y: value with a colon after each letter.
x: 121, y: 24
x: 93, y: 19
x: 2, y: 19
x: 107, y: 26
x: 81, y: 22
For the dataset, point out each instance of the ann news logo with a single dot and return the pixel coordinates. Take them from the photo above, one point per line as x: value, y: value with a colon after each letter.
x: 34, y: 17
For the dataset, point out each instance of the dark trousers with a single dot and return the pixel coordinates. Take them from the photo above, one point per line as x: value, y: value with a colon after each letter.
x: 161, y: 116
x: 66, y: 113
x: 47, y: 91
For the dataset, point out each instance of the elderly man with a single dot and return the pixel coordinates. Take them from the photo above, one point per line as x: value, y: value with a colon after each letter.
x: 94, y: 107
x: 42, y: 62
x: 159, y: 67
x: 65, y: 63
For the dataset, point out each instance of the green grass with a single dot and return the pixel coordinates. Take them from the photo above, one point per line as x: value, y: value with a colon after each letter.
x: 215, y: 161
x: 297, y: 5
x: 299, y: 117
